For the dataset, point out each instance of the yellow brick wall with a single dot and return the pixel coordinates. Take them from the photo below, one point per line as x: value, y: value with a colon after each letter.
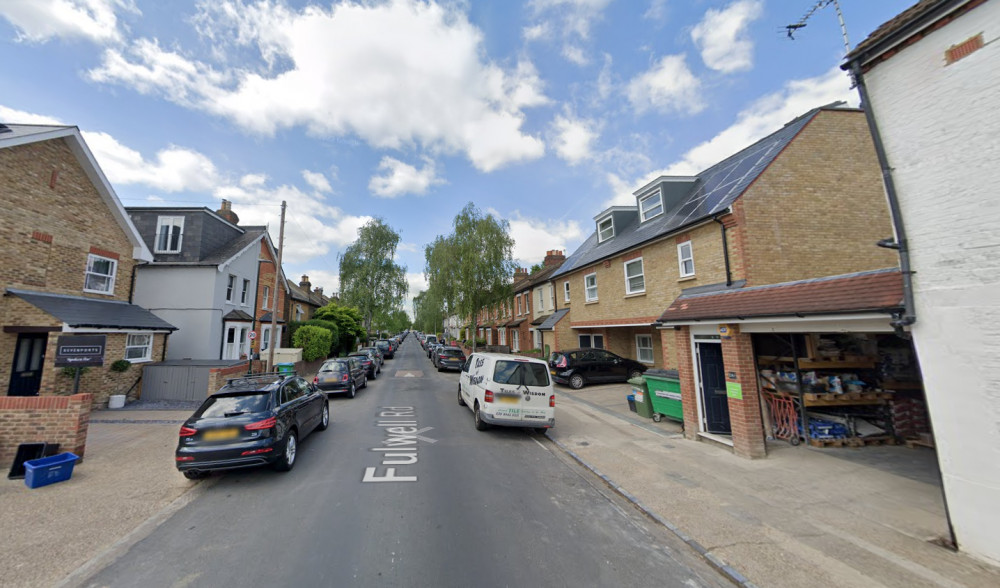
x: 819, y: 208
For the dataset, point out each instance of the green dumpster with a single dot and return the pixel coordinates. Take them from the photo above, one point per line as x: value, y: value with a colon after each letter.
x: 643, y: 407
x: 665, y: 394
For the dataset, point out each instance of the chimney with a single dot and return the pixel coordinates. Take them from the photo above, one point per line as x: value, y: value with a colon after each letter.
x: 319, y: 290
x: 227, y: 213
x: 305, y: 284
x: 553, y: 258
x: 520, y: 273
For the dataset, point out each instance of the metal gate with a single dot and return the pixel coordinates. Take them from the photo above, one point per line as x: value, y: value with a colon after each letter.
x: 175, y: 382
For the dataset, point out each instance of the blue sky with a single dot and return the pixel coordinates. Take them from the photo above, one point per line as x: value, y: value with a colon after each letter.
x: 543, y: 112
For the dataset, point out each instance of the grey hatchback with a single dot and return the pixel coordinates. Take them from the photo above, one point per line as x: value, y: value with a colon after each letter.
x: 343, y: 374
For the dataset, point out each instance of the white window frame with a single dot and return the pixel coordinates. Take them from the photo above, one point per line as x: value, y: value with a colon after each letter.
x: 172, y: 222
x: 501, y: 336
x: 586, y: 288
x: 541, y: 300
x: 518, y: 305
x: 245, y: 294
x: 89, y: 272
x: 644, y: 209
x: 681, y: 258
x: 299, y: 313
x: 592, y: 338
x: 515, y: 340
x: 609, y: 229
x: 642, y: 275
x: 265, y: 338
x: 267, y: 295
x: 539, y: 342
x: 639, y: 349
x: 230, y: 288
x: 566, y: 291
x: 143, y: 342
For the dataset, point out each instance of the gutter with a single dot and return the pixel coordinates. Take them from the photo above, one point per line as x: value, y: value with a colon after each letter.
x: 908, y: 315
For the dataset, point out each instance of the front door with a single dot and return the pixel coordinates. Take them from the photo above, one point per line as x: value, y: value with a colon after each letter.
x: 26, y: 375
x: 713, y: 388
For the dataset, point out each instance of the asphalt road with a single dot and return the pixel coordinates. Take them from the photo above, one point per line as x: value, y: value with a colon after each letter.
x: 459, y: 508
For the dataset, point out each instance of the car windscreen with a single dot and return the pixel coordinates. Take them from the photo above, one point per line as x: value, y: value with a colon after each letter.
x: 228, y: 405
x: 446, y: 352
x: 334, y: 366
x: 520, y: 373
x: 361, y: 356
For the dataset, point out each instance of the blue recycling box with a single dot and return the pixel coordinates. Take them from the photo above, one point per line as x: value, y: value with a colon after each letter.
x: 49, y: 470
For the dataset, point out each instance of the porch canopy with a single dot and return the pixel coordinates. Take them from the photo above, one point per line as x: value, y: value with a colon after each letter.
x: 855, y: 302
x: 78, y: 312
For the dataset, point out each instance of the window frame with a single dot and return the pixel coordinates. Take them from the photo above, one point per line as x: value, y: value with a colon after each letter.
x: 174, y: 221
x: 566, y: 291
x: 147, y: 347
x: 592, y: 337
x: 266, y: 296
x: 681, y: 259
x: 642, y: 275
x: 586, y: 288
x: 89, y: 271
x: 639, y: 349
x: 643, y: 210
x: 518, y: 298
x: 541, y: 300
x: 609, y: 219
x: 245, y: 294
x: 230, y: 288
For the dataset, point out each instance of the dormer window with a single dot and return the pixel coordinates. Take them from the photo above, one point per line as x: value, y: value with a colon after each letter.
x: 169, y: 231
x: 605, y: 229
x: 651, y: 206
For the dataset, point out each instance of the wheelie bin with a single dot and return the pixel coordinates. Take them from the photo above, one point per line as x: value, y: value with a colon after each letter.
x: 665, y: 394
x: 643, y: 407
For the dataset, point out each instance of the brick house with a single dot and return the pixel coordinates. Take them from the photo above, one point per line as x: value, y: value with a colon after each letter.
x: 70, y: 254
x: 212, y: 278
x: 304, y: 300
x: 543, y: 296
x: 931, y: 80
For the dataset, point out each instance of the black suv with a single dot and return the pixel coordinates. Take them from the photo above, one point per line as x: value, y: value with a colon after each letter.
x: 251, y: 421
x: 578, y: 367
x: 386, y: 347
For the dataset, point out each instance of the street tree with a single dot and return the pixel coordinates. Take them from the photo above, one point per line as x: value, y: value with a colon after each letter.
x: 348, y: 321
x: 370, y: 279
x: 471, y: 268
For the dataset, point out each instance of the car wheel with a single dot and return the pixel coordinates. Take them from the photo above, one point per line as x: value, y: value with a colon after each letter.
x: 365, y: 384
x: 461, y: 401
x: 576, y: 381
x: 375, y: 374
x: 324, y: 420
x: 195, y: 474
x: 540, y: 430
x: 634, y: 374
x: 351, y: 391
x: 440, y: 369
x: 287, y: 460
x: 481, y: 425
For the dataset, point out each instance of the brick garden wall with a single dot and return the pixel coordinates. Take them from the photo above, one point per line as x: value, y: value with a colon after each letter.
x: 50, y: 419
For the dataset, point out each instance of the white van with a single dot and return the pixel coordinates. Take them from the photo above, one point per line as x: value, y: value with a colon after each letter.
x: 507, y: 390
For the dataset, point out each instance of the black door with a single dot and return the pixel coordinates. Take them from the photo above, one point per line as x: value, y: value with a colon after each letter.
x: 713, y: 388
x: 26, y: 374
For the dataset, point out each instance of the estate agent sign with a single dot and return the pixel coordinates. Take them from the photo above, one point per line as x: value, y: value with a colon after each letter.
x: 80, y: 350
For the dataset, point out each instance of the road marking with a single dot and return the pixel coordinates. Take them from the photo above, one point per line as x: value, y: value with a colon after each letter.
x: 409, y: 374
x: 400, y: 444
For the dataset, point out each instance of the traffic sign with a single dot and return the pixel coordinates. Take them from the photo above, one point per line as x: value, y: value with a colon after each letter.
x: 252, y: 335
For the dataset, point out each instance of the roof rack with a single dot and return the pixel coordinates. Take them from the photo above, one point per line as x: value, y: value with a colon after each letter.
x: 247, y: 378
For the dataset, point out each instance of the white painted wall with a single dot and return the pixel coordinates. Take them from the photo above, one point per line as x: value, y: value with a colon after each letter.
x: 941, y: 128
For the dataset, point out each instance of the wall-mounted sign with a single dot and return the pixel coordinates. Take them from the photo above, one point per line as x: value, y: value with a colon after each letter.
x: 725, y: 332
x: 80, y: 350
x: 734, y: 390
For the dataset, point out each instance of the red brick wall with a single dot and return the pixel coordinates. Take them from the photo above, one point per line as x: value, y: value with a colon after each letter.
x: 744, y: 414
x: 50, y: 419
x: 685, y: 369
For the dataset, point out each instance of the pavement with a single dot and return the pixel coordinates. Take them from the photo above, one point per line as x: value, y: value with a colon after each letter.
x: 803, y: 516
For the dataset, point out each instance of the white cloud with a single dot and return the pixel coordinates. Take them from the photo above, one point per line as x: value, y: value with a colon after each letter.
x: 317, y: 180
x: 417, y: 282
x: 42, y: 20
x: 621, y: 190
x: 533, y: 237
x: 574, y: 138
x: 669, y: 86
x: 657, y: 11
x: 400, y: 178
x: 328, y: 280
x: 396, y: 74
x: 575, y: 54
x: 722, y: 37
x: 573, y: 18
x: 536, y: 32
x: 175, y: 169
x: 13, y: 116
x: 312, y: 227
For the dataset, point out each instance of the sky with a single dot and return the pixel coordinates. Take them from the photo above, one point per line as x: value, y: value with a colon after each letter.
x: 540, y: 112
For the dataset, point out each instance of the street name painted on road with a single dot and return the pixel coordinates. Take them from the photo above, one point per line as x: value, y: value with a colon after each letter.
x: 400, y: 445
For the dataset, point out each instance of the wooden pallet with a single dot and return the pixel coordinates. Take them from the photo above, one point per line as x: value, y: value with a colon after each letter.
x: 853, y: 441
x: 841, y: 442
x: 914, y: 443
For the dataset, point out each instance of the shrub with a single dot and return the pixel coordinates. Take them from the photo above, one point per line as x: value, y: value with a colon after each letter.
x: 314, y: 341
x: 122, y: 365
x: 70, y: 371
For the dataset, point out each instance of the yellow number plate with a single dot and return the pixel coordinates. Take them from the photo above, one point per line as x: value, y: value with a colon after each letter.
x: 220, y: 434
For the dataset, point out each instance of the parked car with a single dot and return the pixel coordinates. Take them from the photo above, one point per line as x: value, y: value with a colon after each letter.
x: 368, y: 361
x: 579, y: 367
x: 451, y: 358
x: 508, y: 390
x: 430, y: 340
x: 431, y: 347
x: 385, y: 346
x: 378, y: 354
x: 251, y: 421
x: 343, y: 374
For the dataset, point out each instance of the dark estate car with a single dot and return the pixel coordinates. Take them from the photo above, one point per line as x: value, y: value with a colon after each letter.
x: 251, y: 421
x: 369, y: 361
x: 578, y: 367
x: 385, y: 346
x: 451, y: 358
x: 378, y: 354
x: 431, y: 348
x: 343, y: 374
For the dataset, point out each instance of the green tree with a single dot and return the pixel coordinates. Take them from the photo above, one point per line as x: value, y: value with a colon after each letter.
x: 369, y: 278
x: 470, y: 269
x: 348, y: 321
x: 314, y: 341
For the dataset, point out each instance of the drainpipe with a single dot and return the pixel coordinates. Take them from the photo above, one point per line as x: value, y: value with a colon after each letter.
x: 900, y: 243
x: 725, y: 252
